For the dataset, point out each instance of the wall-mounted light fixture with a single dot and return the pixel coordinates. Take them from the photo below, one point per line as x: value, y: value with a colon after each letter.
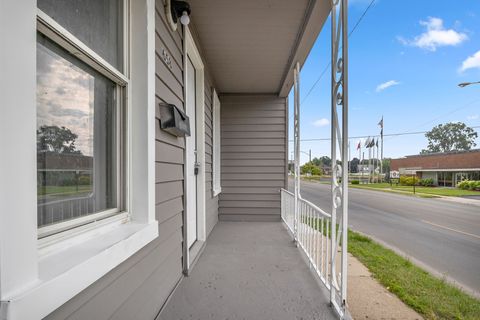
x: 177, y: 10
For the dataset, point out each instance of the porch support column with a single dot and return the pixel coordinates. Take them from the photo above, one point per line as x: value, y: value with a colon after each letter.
x: 296, y: 141
x: 339, y: 150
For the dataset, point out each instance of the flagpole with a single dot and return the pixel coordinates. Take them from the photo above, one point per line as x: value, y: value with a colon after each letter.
x: 363, y: 158
x: 381, y: 155
x: 373, y: 162
x: 369, y: 164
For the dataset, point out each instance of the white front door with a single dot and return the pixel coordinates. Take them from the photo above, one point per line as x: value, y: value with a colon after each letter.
x: 191, y: 156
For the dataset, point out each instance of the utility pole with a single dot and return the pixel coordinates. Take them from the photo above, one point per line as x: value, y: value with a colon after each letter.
x: 381, y: 154
x: 310, y: 155
x: 380, y: 173
x: 349, y: 161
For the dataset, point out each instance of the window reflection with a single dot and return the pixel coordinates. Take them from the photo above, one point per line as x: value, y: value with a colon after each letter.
x: 75, y: 137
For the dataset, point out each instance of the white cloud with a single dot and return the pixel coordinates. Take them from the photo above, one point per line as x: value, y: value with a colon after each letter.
x: 385, y: 85
x: 473, y: 117
x: 321, y: 122
x: 435, y: 36
x: 65, y: 97
x: 471, y: 62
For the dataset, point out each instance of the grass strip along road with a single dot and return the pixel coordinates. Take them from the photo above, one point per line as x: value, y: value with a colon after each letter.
x: 432, y: 297
x: 432, y: 191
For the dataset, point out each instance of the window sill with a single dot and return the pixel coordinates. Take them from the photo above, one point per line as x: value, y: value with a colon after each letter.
x: 65, y: 273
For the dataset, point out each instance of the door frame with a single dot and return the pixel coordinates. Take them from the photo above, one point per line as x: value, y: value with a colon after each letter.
x: 191, y: 51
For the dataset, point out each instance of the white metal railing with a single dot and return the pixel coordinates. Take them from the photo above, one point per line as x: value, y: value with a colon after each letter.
x: 322, y: 236
x: 312, y: 226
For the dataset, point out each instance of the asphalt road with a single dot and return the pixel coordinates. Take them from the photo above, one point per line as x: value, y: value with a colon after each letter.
x: 439, y: 235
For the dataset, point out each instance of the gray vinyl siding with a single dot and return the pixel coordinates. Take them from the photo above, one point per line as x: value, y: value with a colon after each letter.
x: 139, y: 287
x: 253, y: 153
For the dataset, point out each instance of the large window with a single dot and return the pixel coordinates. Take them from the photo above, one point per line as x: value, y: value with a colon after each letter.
x: 80, y: 113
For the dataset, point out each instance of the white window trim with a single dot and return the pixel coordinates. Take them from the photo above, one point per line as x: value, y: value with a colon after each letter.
x: 57, y: 34
x: 32, y: 286
x: 216, y: 165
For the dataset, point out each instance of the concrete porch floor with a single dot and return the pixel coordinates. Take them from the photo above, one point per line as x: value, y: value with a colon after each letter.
x: 249, y: 270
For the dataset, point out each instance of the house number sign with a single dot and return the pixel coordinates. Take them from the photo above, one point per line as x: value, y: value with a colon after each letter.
x: 166, y: 58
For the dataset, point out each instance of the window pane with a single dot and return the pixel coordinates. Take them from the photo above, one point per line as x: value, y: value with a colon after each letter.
x: 76, y: 162
x: 97, y: 23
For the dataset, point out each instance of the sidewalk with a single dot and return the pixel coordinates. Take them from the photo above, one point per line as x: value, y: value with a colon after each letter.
x: 368, y: 299
x: 473, y: 202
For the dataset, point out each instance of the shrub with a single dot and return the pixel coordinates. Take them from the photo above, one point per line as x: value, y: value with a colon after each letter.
x: 463, y: 184
x: 355, y: 182
x: 311, y: 168
x: 407, y: 181
x: 469, y: 185
x: 426, y: 182
x: 84, y: 180
x: 472, y: 185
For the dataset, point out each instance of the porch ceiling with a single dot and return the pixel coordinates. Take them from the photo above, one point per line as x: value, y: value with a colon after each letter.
x: 251, y: 45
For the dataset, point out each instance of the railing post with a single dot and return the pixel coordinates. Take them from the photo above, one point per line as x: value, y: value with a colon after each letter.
x: 344, y: 14
x: 333, y: 150
x: 339, y: 134
x: 296, y: 124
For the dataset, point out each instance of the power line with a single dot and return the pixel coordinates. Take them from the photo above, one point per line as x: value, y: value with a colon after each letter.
x: 447, y: 114
x: 329, y: 64
x: 375, y: 135
x: 361, y: 17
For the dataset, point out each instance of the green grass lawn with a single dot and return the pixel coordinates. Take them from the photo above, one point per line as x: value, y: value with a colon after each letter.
x: 62, y: 190
x: 436, y: 191
x: 432, y: 297
x: 311, y: 178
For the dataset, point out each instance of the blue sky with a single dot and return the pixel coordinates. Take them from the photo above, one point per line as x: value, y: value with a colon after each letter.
x: 406, y: 58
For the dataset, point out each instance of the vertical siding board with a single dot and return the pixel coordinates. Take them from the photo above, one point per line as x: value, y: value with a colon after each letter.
x: 253, y: 139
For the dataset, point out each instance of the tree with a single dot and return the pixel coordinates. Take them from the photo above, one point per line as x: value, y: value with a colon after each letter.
x: 354, y: 165
x: 449, y: 137
x: 324, y: 161
x: 56, y: 139
x: 309, y: 167
x: 386, y: 165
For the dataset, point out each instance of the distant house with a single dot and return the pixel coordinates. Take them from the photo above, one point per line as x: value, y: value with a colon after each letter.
x: 446, y: 169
